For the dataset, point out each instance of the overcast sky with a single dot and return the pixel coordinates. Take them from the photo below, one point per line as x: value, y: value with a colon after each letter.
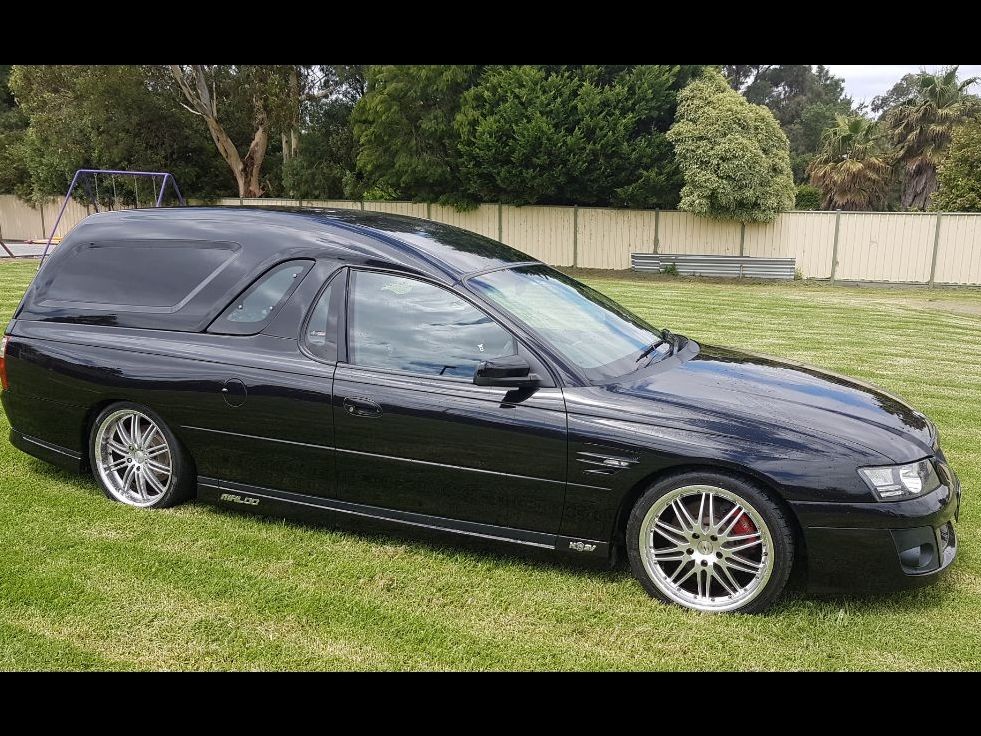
x: 865, y: 81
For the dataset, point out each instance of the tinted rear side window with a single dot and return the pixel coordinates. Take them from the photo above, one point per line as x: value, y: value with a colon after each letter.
x: 146, y: 275
x: 254, y: 307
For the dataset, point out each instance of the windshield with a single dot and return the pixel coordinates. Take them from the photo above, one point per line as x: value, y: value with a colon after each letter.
x: 587, y: 328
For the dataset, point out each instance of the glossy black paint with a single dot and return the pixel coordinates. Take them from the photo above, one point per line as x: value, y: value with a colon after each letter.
x: 315, y: 437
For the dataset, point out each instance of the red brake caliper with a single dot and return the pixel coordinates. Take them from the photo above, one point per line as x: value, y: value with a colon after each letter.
x: 745, y: 525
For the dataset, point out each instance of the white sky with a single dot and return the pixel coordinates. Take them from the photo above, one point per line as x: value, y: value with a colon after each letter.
x: 865, y: 81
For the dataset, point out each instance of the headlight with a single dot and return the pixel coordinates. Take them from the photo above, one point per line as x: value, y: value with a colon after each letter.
x: 898, y: 482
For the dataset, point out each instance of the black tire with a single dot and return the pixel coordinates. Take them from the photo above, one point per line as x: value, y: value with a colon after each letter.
x: 775, y: 518
x: 181, y: 483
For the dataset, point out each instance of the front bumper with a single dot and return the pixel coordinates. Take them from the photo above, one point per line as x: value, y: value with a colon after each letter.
x: 881, y: 545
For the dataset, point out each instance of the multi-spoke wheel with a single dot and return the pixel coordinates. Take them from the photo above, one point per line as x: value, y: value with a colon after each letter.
x: 136, y: 459
x: 710, y: 542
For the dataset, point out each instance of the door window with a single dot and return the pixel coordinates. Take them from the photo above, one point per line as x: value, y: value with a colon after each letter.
x: 409, y: 325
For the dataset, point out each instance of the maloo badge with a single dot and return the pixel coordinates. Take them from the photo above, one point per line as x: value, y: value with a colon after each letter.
x: 235, y: 498
x: 582, y: 546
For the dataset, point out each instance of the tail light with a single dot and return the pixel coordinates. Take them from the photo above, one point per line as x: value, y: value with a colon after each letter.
x: 3, y: 363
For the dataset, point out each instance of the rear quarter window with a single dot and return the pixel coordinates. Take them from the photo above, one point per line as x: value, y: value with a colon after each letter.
x: 254, y: 308
x: 135, y: 275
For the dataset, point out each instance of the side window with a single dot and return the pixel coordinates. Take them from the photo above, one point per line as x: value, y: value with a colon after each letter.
x: 144, y: 275
x: 404, y: 324
x: 251, y: 310
x: 320, y: 333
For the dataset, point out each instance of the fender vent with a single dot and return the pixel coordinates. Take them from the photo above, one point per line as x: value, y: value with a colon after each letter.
x: 603, y: 464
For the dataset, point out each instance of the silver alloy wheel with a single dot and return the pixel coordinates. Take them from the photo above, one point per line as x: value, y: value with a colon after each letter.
x: 133, y: 458
x: 706, y: 548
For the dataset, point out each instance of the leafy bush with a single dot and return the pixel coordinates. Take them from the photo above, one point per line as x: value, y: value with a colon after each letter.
x: 590, y: 135
x: 733, y: 155
x: 959, y: 175
x: 808, y: 198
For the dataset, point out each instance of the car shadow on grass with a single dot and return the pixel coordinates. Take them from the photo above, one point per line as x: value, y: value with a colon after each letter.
x: 796, y: 599
x: 446, y: 544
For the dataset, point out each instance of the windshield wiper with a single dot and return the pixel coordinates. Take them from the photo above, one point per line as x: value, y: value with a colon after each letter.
x: 666, y: 337
x: 674, y: 339
x: 649, y: 349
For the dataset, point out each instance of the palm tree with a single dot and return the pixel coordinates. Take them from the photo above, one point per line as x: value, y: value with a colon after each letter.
x: 920, y: 127
x: 853, y: 166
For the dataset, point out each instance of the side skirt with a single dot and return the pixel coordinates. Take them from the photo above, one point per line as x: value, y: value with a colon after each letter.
x: 314, y: 508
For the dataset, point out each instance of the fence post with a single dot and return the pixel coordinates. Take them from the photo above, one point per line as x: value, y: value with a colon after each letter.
x: 575, y: 236
x: 44, y: 230
x: 742, y: 243
x: 299, y: 202
x: 429, y: 210
x: 362, y: 204
x: 936, y: 246
x: 834, y: 250
x: 500, y: 223
x: 657, y: 229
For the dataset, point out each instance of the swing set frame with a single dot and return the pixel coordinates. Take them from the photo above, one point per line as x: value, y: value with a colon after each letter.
x: 166, y: 177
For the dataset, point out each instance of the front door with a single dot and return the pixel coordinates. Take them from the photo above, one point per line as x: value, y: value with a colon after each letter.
x: 414, y: 433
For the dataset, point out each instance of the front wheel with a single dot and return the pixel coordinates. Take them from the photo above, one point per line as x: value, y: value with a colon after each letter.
x: 136, y: 459
x: 710, y: 542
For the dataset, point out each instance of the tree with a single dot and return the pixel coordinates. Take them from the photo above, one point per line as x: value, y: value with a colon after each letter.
x: 734, y: 157
x: 111, y: 116
x: 14, y: 176
x: 404, y: 127
x: 325, y: 159
x: 959, y: 176
x: 740, y: 75
x: 901, y: 91
x: 270, y: 92
x: 591, y: 135
x: 804, y: 99
x: 852, y: 170
x: 921, y: 127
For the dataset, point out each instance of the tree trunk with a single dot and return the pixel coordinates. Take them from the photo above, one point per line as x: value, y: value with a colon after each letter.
x: 921, y: 183
x: 291, y: 148
x: 228, y: 152
x: 252, y: 165
x: 247, y: 171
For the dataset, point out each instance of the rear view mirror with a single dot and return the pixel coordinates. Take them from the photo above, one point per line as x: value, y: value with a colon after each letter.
x: 511, y: 371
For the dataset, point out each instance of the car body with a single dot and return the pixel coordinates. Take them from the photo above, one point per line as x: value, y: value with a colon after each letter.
x: 284, y: 354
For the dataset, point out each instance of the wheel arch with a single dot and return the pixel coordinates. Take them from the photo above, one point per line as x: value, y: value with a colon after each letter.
x: 766, y: 485
x: 88, y: 423
x: 97, y: 408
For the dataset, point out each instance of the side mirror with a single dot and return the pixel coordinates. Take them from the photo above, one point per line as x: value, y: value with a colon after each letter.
x: 511, y: 371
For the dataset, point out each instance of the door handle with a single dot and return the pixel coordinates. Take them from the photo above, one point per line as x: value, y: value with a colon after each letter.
x: 361, y: 406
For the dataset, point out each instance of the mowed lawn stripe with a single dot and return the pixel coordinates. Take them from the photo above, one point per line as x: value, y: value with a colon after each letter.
x: 88, y: 584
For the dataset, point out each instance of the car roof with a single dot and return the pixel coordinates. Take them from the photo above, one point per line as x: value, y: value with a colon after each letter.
x: 424, y: 245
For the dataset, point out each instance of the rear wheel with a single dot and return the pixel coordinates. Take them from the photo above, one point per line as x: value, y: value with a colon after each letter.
x: 136, y: 458
x: 710, y: 542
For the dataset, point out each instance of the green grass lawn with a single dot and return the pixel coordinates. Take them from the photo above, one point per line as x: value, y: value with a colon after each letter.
x: 85, y: 583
